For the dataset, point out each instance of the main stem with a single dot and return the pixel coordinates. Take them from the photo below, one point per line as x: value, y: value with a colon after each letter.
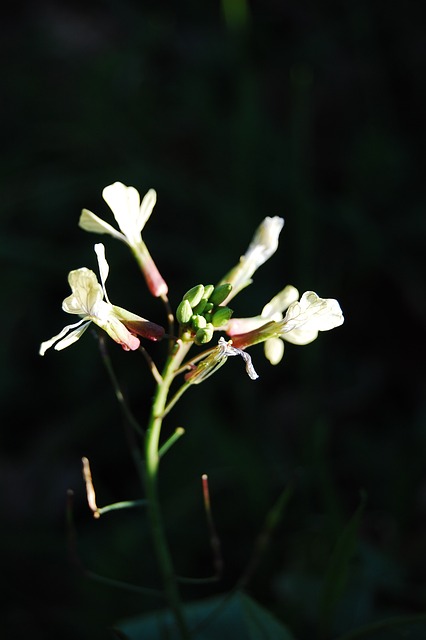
x: 152, y: 460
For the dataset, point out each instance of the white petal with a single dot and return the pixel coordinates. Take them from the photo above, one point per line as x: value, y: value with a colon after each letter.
x: 147, y: 205
x: 78, y: 330
x: 313, y: 313
x: 301, y: 336
x: 274, y: 350
x: 124, y: 203
x: 90, y: 222
x: 86, y: 292
x: 280, y: 302
x: 262, y: 247
x: 103, y: 266
x: 264, y: 243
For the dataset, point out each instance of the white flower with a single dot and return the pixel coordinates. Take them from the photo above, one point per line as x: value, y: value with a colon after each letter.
x: 131, y: 216
x: 262, y: 247
x: 300, y: 325
x: 90, y: 301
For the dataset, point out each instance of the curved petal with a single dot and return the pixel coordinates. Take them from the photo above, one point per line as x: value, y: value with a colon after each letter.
x: 280, y: 302
x: 86, y: 292
x: 103, y: 266
x: 77, y: 330
x: 124, y: 203
x: 274, y: 350
x: 91, y: 223
x: 301, y: 336
x: 145, y: 210
x: 312, y: 313
x: 261, y: 248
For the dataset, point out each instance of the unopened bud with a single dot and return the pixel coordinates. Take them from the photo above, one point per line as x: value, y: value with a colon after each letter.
x: 184, y: 312
x: 194, y: 295
x: 220, y: 293
x: 198, y: 322
x: 199, y: 308
x: 221, y: 316
x: 208, y: 290
x: 204, y: 335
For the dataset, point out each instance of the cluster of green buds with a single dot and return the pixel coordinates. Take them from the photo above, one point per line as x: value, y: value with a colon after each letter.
x: 199, y: 313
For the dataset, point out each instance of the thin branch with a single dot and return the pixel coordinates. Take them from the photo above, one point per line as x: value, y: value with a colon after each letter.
x: 151, y: 364
x: 170, y: 320
x: 179, y: 393
x: 118, y: 393
x: 90, y: 489
x: 214, y: 538
x: 214, y: 541
x: 179, y: 432
x: 124, y: 504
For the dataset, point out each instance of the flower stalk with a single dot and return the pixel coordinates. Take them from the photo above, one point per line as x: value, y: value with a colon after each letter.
x: 152, y: 459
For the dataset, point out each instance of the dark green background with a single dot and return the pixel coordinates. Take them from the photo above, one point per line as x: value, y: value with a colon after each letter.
x: 308, y: 110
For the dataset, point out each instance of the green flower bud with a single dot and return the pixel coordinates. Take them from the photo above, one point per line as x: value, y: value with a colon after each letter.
x: 184, y: 312
x: 199, y: 308
x: 204, y: 335
x: 220, y: 293
x: 208, y: 290
x: 198, y: 322
x: 194, y: 295
x: 221, y: 316
x: 209, y: 306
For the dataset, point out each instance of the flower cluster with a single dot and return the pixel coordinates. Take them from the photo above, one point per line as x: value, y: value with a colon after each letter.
x: 203, y: 309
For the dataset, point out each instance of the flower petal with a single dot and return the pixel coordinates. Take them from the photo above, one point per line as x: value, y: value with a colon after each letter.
x: 103, y: 267
x: 78, y: 329
x: 262, y: 247
x: 274, y: 350
x: 91, y: 223
x: 124, y: 203
x: 145, y: 210
x: 280, y: 302
x: 312, y: 313
x: 86, y: 292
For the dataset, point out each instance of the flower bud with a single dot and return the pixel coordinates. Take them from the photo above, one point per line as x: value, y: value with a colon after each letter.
x: 204, y: 335
x: 221, y: 316
x: 184, y: 312
x: 220, y: 293
x: 194, y: 295
x: 198, y: 322
x: 199, y: 308
x: 208, y: 290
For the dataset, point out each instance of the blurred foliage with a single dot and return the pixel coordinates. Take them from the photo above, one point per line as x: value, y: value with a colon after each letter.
x: 232, y: 112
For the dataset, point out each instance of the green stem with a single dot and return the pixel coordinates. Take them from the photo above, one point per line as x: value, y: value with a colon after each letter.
x: 152, y: 459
